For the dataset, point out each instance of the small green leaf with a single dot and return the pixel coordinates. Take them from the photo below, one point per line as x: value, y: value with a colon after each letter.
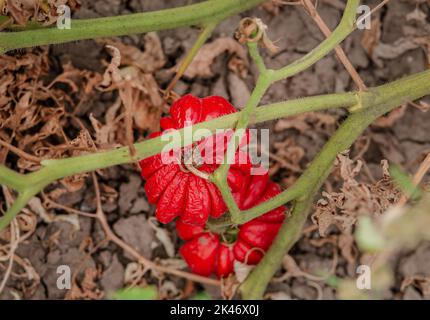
x: 147, y: 293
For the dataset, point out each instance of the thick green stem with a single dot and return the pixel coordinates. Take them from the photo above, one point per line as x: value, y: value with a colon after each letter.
x: 266, y: 78
x: 196, y: 14
x: 256, y: 57
x: 219, y: 177
x: 374, y: 104
x: 255, y: 285
x: 384, y: 97
x: 12, y: 179
x: 20, y: 202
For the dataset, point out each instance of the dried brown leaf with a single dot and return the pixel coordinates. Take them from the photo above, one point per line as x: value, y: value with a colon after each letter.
x: 341, y: 209
x: 371, y: 37
x: 148, y: 61
x: 87, y: 289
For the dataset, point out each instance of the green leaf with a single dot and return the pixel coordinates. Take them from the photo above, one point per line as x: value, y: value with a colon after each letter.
x: 147, y: 293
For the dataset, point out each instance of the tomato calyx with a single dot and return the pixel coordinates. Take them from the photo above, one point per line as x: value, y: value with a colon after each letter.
x: 227, y: 233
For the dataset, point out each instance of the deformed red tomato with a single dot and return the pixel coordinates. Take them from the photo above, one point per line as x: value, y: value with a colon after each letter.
x: 176, y: 190
x: 253, y: 238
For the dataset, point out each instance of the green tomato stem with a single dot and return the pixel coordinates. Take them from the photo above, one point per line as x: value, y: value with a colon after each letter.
x: 81, y: 29
x: 375, y: 102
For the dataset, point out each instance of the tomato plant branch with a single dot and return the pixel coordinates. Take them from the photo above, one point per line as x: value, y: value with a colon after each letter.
x: 256, y: 57
x: 81, y: 29
x: 265, y: 79
x: 12, y: 179
x: 219, y: 177
x: 373, y: 105
x: 395, y: 93
x: 54, y: 169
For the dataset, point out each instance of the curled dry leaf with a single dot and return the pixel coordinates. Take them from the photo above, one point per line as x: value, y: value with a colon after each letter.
x: 33, y: 113
x: 393, y: 50
x: 38, y: 208
x: 422, y: 106
x: 287, y: 155
x: 105, y: 135
x: 341, y: 209
x: 242, y: 270
x: 138, y: 90
x: 134, y: 273
x: 415, y: 37
x: 202, y: 62
x: 346, y: 244
x: 293, y: 271
x: 45, y: 12
x: 419, y: 281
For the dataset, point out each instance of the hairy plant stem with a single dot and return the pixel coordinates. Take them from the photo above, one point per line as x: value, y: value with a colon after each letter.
x: 53, y: 170
x: 255, y: 284
x: 373, y: 105
x: 386, y: 96
x: 81, y: 29
x: 265, y: 79
x: 219, y: 177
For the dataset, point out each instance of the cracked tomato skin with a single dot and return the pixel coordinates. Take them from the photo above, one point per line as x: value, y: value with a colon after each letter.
x: 179, y: 193
x: 253, y: 238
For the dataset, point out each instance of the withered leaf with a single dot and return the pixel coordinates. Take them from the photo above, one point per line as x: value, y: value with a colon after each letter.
x: 201, y: 64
